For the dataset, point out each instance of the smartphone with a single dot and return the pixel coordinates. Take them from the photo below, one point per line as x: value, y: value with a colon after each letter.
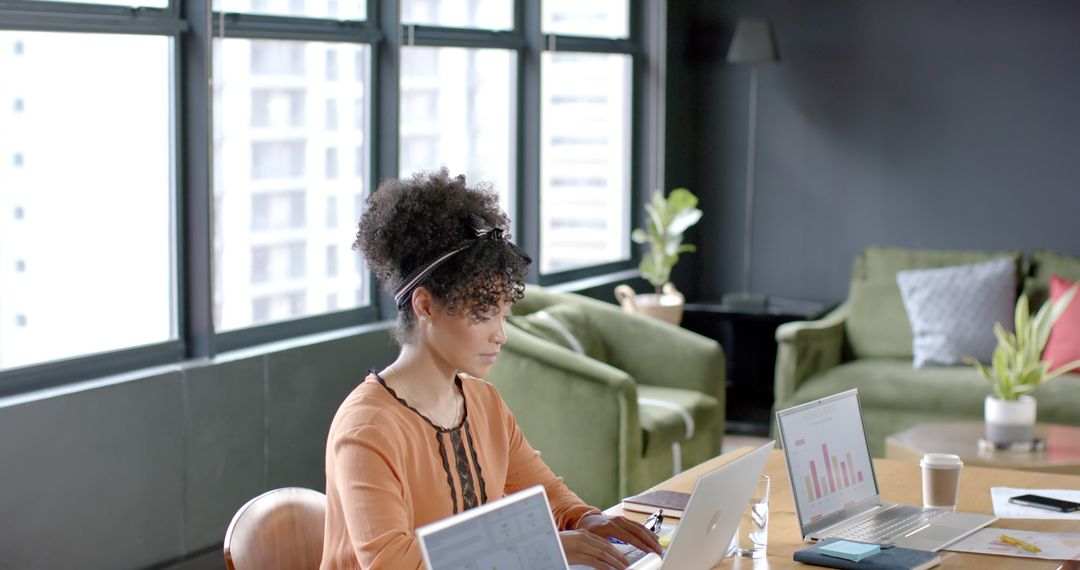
x: 1045, y: 503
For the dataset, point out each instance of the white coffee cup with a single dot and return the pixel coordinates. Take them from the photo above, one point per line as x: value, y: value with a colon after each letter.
x: 940, y: 480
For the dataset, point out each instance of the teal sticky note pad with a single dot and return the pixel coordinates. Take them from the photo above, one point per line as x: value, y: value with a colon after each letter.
x: 854, y: 551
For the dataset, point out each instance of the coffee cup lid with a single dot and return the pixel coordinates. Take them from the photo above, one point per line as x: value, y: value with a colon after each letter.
x: 942, y: 461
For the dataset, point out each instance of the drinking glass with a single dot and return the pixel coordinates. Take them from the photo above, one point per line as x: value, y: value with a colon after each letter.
x: 752, y: 536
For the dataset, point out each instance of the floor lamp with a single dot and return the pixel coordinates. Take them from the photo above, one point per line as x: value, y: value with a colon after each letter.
x: 753, y: 43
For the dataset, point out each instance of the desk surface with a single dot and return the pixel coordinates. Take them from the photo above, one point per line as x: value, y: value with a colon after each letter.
x: 901, y: 483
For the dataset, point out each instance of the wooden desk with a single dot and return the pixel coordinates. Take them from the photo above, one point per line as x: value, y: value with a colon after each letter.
x: 901, y: 483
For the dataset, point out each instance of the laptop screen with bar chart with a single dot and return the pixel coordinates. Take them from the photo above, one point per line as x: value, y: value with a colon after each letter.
x: 828, y: 457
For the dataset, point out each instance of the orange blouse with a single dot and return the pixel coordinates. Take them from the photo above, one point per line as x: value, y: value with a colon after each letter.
x: 389, y: 471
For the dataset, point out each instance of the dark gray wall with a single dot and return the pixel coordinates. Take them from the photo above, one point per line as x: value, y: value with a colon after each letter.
x: 916, y: 123
x: 136, y: 471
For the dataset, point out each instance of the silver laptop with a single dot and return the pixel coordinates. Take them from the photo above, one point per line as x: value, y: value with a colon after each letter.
x: 836, y: 493
x: 712, y: 515
x: 515, y: 532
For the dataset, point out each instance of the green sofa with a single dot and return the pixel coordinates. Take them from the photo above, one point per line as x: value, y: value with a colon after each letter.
x: 621, y: 404
x: 866, y: 342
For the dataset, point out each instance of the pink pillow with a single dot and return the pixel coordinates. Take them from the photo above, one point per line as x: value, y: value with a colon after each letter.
x: 1064, y: 344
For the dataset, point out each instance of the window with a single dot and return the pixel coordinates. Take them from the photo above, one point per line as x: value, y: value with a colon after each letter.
x: 490, y: 14
x: 113, y: 192
x: 600, y: 18
x: 272, y: 57
x: 331, y: 212
x: 331, y: 115
x: 331, y: 64
x: 331, y: 164
x: 585, y: 160
x: 331, y: 261
x: 456, y: 107
x: 278, y: 108
x: 279, y: 307
x: 342, y: 9
x: 276, y: 176
x: 278, y: 210
x: 279, y: 262
x: 278, y: 159
x: 275, y: 169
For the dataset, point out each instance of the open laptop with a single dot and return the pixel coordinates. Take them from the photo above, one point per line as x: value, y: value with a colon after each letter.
x: 712, y: 515
x: 836, y: 492
x: 515, y: 532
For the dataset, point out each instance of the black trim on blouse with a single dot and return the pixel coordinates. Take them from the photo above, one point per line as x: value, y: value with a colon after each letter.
x: 461, y: 455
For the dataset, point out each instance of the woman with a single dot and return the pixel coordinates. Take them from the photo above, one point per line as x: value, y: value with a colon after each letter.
x: 424, y: 438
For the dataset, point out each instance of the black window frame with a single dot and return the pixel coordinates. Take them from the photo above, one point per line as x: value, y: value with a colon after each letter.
x: 192, y: 26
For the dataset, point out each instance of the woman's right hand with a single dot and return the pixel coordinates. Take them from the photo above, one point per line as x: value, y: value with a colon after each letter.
x: 584, y: 547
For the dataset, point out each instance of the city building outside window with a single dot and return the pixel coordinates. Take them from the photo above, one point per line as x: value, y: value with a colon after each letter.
x: 96, y: 256
x: 293, y: 167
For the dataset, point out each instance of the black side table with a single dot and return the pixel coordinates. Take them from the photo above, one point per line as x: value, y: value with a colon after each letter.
x: 749, y: 341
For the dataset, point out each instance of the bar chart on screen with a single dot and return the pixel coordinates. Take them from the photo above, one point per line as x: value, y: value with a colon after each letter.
x: 829, y: 462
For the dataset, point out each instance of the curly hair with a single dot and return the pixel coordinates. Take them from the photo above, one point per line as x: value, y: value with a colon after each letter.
x: 408, y: 223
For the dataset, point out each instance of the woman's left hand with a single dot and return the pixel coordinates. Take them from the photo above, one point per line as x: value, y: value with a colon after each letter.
x: 623, y: 529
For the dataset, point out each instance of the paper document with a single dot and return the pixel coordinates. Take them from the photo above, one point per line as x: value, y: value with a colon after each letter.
x: 1006, y: 510
x: 1052, y: 545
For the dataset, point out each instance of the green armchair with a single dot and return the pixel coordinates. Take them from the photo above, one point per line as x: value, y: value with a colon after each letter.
x: 615, y: 402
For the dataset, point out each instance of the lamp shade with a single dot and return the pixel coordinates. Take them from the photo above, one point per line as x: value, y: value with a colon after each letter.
x: 753, y: 42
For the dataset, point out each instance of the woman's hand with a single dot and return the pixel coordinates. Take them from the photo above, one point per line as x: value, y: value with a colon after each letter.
x: 584, y: 547
x: 623, y: 529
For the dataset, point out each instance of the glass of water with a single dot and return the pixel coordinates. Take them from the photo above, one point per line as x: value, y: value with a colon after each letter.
x: 752, y: 537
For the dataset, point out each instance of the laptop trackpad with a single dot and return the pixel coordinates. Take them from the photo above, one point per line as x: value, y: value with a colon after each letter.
x: 932, y: 537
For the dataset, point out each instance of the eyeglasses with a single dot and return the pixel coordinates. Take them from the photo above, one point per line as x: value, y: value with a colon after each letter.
x: 655, y: 521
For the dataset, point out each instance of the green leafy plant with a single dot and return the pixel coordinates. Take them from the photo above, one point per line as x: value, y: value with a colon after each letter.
x: 1017, y: 367
x: 668, y: 220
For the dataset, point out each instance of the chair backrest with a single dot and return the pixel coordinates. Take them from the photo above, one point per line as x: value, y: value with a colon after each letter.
x: 279, y: 529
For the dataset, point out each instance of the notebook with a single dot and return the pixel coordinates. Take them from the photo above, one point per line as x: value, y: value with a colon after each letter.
x: 836, y: 493
x: 673, y: 503
x: 895, y: 558
x: 515, y: 532
x: 716, y: 504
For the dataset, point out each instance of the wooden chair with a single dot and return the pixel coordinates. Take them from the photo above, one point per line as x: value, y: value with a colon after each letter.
x: 279, y: 529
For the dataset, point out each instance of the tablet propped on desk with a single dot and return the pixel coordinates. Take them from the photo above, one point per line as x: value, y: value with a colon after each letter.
x: 673, y: 503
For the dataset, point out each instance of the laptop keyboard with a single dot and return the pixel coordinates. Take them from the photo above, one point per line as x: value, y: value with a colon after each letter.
x: 890, y: 524
x: 632, y: 553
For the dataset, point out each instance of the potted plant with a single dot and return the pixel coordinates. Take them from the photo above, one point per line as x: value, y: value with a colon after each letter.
x: 668, y: 219
x: 1017, y: 368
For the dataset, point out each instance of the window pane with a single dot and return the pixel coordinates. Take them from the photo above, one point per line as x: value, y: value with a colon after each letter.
x: 585, y: 160
x: 86, y: 222
x: 142, y: 3
x: 456, y: 110
x: 601, y: 18
x: 332, y: 9
x: 488, y: 14
x: 280, y: 123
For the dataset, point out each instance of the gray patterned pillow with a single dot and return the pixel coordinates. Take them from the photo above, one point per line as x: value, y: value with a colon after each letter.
x: 952, y: 310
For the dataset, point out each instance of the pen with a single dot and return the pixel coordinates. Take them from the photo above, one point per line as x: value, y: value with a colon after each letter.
x: 1017, y: 542
x: 655, y: 521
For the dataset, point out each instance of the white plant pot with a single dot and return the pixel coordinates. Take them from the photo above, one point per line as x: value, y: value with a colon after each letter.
x: 667, y: 307
x: 1010, y: 421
